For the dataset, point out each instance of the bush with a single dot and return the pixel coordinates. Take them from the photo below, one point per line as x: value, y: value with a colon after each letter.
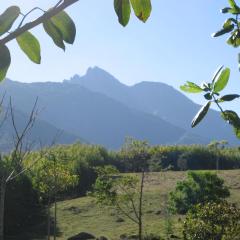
x: 199, y: 187
x: 216, y: 221
x: 22, y: 206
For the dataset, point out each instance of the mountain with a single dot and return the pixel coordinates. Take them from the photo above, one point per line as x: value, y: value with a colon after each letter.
x: 160, y: 100
x: 91, y: 115
x: 99, y: 108
x: 41, y: 134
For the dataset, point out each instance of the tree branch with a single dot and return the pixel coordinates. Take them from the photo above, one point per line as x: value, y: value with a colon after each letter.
x: 125, y: 213
x: 49, y: 14
x: 131, y: 200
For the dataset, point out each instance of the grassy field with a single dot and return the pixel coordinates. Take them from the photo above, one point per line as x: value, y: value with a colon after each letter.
x: 82, y: 214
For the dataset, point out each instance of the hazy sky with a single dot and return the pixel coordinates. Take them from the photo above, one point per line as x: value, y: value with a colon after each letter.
x: 174, y: 46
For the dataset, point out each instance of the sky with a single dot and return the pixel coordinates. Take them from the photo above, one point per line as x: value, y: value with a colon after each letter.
x: 173, y: 47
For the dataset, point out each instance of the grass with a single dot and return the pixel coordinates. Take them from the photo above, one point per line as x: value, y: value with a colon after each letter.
x: 82, y: 214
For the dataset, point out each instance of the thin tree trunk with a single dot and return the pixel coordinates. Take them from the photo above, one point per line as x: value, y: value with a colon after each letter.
x: 55, y: 219
x: 55, y: 203
x: 2, y: 207
x: 48, y: 220
x: 140, y: 224
x: 217, y: 163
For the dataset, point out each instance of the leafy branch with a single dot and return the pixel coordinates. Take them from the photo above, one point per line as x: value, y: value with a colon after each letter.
x: 212, y: 95
x: 57, y: 24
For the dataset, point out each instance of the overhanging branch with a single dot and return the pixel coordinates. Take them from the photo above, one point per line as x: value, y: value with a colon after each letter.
x: 49, y: 14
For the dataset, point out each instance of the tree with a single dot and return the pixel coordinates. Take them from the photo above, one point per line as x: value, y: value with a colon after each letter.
x: 51, y: 177
x: 122, y: 192
x: 135, y: 154
x: 57, y: 24
x: 216, y: 146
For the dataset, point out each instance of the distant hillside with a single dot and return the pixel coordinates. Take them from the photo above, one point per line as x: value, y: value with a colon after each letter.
x: 160, y: 100
x: 99, y: 108
x: 42, y: 133
x: 91, y: 115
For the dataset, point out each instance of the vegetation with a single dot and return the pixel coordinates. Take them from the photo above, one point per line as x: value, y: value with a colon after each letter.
x: 84, y: 215
x: 199, y: 187
x: 212, y: 90
x: 204, y: 221
x: 80, y: 160
x: 212, y: 221
x: 50, y: 177
x: 123, y: 193
x: 12, y: 165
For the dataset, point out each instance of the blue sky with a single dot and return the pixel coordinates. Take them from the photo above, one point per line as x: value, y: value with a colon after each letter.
x: 174, y: 46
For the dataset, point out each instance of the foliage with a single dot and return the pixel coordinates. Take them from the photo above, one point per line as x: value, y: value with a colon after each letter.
x: 211, y: 92
x: 123, y: 193
x: 112, y: 189
x: 81, y: 159
x: 57, y: 24
x: 220, y: 79
x: 216, y: 221
x: 135, y: 155
x: 22, y: 200
x: 199, y: 187
x: 231, y: 25
x: 195, y: 157
x: 50, y: 176
x: 142, y: 10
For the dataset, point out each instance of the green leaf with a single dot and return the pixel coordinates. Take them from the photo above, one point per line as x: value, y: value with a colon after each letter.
x: 30, y: 46
x: 239, y: 61
x: 228, y: 98
x: 232, y: 118
x: 205, y: 87
x: 226, y: 10
x: 233, y: 40
x: 223, y: 31
x: 234, y: 7
x: 191, y: 87
x: 233, y: 4
x: 8, y: 18
x: 221, y: 80
x: 215, y: 75
x: 228, y: 22
x: 123, y: 11
x: 5, y: 61
x: 201, y: 114
x: 208, y: 96
x: 66, y: 26
x: 142, y: 9
x: 54, y: 33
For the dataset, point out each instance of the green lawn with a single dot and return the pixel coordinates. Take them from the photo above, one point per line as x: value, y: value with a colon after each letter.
x: 83, y: 214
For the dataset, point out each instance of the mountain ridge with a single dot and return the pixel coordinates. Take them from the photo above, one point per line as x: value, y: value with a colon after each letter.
x: 151, y: 97
x: 99, y: 108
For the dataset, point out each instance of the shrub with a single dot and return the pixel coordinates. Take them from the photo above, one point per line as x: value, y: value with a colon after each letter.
x: 216, y: 221
x: 199, y: 187
x: 22, y: 206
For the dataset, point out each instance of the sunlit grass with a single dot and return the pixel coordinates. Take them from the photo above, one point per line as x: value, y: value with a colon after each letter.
x: 82, y: 214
